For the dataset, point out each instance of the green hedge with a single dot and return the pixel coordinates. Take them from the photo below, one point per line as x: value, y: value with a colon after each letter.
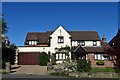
x: 43, y: 59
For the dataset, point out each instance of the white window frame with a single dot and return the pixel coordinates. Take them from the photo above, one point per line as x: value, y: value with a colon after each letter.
x: 98, y: 57
x: 60, y: 39
x: 94, y: 43
x: 60, y: 56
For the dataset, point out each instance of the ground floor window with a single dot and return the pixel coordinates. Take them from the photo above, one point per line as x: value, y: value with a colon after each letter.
x: 60, y: 56
x: 98, y: 57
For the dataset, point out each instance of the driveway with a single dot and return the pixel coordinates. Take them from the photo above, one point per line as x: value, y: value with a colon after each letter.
x: 28, y: 69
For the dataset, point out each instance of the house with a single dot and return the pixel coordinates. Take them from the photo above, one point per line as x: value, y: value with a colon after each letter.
x: 84, y: 44
x: 115, y: 41
x: 115, y: 49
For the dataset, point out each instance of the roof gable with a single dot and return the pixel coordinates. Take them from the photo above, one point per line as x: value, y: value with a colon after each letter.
x: 60, y: 30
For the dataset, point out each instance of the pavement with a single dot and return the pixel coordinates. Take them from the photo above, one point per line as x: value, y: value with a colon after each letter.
x: 28, y: 69
x: 27, y: 76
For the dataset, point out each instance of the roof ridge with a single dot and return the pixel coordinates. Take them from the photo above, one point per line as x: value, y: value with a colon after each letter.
x: 84, y: 31
x: 37, y: 32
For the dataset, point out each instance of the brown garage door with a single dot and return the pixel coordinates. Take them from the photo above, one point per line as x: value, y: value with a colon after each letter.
x: 28, y: 58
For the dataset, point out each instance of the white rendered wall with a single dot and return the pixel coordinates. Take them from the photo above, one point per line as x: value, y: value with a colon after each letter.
x: 98, y: 43
x: 54, y: 40
x: 33, y: 49
x: 88, y: 43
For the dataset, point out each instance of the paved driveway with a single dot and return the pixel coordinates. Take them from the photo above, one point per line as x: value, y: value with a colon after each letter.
x: 28, y: 69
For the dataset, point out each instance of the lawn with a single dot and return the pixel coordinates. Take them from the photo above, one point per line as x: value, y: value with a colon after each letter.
x: 102, y: 70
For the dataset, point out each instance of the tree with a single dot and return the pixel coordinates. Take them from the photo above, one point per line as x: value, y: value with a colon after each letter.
x: 8, y: 53
x: 3, y: 25
x: 8, y: 50
x: 115, y: 51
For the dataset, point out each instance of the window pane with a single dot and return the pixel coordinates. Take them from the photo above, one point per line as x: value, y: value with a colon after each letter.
x: 29, y: 42
x: 76, y: 43
x: 32, y: 42
x: 57, y: 56
x: 72, y: 43
x: 99, y: 57
x: 35, y: 42
x: 94, y: 43
x: 60, y: 39
x: 63, y: 56
x: 95, y: 55
x: 60, y: 56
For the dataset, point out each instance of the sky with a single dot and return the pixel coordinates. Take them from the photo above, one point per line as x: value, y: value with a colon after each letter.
x: 24, y: 17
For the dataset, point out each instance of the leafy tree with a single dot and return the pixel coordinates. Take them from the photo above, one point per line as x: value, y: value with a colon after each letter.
x: 3, y: 25
x: 8, y: 54
x: 115, y: 51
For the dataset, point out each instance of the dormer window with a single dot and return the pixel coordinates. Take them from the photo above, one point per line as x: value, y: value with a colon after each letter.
x: 94, y: 43
x: 60, y: 39
x: 32, y: 42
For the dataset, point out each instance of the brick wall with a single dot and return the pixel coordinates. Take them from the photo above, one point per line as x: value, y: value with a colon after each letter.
x: 108, y: 63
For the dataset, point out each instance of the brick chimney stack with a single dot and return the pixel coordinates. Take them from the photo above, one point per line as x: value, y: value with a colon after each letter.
x: 103, y: 39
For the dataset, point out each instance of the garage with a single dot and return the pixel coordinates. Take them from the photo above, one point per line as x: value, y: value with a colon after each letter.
x: 28, y: 58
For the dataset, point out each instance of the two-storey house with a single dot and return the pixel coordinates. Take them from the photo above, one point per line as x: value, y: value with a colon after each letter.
x: 84, y: 44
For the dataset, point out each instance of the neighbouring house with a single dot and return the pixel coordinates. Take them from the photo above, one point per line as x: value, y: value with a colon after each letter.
x: 115, y: 41
x: 115, y: 49
x: 84, y: 44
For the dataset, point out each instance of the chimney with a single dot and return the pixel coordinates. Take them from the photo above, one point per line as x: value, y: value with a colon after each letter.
x: 103, y: 39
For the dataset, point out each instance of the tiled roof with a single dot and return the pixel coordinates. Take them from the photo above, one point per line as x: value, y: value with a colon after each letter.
x: 43, y: 37
x: 93, y: 49
x: 84, y: 35
x: 88, y: 49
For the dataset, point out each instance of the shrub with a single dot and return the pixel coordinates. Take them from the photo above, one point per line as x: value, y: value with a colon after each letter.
x: 100, y: 62
x: 53, y: 59
x: 83, y: 65
x: 3, y: 65
x: 43, y: 59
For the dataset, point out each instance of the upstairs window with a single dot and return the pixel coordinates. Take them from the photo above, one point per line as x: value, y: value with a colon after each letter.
x: 32, y: 42
x: 82, y: 43
x: 60, y: 39
x: 94, y: 43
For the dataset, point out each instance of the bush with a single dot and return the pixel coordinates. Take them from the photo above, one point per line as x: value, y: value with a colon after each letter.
x: 100, y: 62
x: 83, y: 65
x: 3, y: 65
x: 43, y: 59
x: 53, y: 59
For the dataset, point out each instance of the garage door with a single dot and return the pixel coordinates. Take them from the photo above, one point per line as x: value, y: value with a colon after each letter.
x: 28, y: 58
